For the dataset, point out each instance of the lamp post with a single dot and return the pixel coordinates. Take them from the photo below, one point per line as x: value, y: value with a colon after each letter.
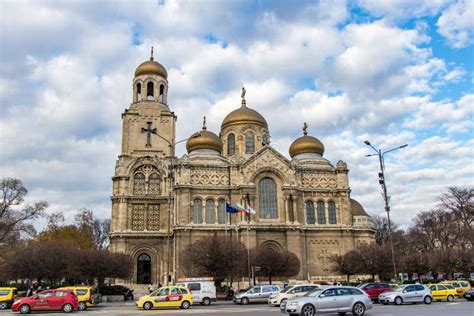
x: 386, y: 198
x: 172, y: 146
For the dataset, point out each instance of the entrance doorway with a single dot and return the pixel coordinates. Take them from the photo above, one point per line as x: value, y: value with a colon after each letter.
x: 144, y: 269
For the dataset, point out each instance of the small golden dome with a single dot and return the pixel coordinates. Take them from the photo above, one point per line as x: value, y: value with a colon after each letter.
x: 357, y: 209
x: 244, y: 115
x: 306, y: 144
x: 151, y: 67
x: 205, y: 140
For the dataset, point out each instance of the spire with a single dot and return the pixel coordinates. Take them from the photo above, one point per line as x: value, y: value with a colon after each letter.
x: 204, y: 124
x: 305, y: 127
x: 244, y: 103
x: 151, y: 56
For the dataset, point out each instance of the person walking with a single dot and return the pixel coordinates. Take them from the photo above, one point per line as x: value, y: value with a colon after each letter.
x: 30, y: 291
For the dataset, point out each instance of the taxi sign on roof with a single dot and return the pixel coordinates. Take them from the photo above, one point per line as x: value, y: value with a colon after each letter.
x: 196, y: 279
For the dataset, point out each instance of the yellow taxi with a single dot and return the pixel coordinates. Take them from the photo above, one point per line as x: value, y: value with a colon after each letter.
x: 461, y: 286
x: 7, y: 296
x: 167, y: 296
x: 85, y: 296
x: 443, y: 292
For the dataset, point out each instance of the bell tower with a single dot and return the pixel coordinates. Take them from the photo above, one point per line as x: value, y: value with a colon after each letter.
x: 148, y: 124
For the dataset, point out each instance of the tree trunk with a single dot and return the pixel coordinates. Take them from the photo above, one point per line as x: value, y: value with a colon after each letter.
x: 348, y: 278
x: 270, y: 279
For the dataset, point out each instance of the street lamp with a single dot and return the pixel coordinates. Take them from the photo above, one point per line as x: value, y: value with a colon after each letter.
x: 386, y: 198
x: 172, y: 146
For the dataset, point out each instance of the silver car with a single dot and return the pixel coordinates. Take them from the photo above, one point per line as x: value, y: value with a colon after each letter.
x: 256, y: 294
x: 409, y: 293
x: 334, y: 299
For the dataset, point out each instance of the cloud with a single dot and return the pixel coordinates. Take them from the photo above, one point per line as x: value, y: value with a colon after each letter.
x: 456, y: 24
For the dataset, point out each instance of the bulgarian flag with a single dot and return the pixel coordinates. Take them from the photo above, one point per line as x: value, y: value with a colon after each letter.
x: 247, y: 210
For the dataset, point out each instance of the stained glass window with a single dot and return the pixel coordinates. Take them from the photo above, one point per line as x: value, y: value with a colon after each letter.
x: 221, y: 213
x: 249, y: 143
x: 197, y: 211
x: 231, y: 144
x: 332, y: 212
x: 321, y: 213
x: 310, y: 216
x: 267, y: 198
x: 210, y: 213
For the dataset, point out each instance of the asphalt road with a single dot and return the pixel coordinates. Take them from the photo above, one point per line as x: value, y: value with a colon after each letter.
x: 457, y: 308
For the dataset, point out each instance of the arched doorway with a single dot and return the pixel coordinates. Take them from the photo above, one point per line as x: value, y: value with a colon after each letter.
x: 144, y: 269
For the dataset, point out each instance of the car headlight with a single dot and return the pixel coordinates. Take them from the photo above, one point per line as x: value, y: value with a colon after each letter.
x: 293, y: 304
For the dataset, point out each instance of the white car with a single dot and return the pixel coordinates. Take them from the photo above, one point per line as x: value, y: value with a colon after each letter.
x: 203, y: 292
x: 290, y: 292
x: 409, y: 293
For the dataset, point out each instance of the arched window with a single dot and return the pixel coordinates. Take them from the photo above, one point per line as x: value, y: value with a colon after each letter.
x: 210, y: 212
x: 139, y: 183
x: 321, y: 213
x: 139, y: 92
x: 154, y: 183
x: 291, y: 213
x: 161, y: 97
x: 332, y: 212
x: 267, y: 197
x: 310, y: 218
x: 249, y: 143
x: 197, y: 211
x: 149, y: 91
x: 264, y: 140
x: 221, y: 213
x: 231, y: 144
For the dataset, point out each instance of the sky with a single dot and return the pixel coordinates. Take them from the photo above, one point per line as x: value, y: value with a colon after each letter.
x: 391, y: 72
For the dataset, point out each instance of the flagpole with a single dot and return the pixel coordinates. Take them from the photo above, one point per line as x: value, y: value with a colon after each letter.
x: 247, y: 203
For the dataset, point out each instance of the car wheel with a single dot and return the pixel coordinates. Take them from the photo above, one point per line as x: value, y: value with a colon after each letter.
x: 67, y: 308
x: 3, y: 305
x: 358, y: 309
x: 25, y: 309
x: 185, y: 305
x: 427, y: 300
x: 282, y: 301
x: 450, y: 298
x: 147, y: 306
x: 206, y: 301
x: 82, y: 306
x: 308, y: 310
x: 244, y: 301
x: 398, y: 300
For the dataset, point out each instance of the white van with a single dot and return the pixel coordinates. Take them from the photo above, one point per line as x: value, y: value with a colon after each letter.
x: 203, y: 292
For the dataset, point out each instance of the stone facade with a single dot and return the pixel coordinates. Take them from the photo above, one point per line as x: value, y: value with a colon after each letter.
x: 161, y: 203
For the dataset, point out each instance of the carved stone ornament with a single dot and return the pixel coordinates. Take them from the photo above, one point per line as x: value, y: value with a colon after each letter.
x: 318, y: 181
x: 207, y: 177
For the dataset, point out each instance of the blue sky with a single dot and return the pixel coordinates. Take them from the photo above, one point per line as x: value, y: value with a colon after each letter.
x: 393, y: 72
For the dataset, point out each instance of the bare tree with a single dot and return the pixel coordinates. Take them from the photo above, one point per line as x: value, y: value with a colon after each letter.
x: 348, y: 264
x: 375, y: 260
x: 217, y: 257
x: 98, y: 229
x: 15, y: 218
x: 275, y: 263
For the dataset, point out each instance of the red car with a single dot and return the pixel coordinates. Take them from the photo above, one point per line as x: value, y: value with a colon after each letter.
x: 374, y: 289
x: 49, y: 300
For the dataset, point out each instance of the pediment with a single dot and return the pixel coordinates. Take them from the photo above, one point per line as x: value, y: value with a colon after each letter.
x: 268, y: 159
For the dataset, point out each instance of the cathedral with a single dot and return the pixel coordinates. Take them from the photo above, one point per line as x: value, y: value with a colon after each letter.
x: 162, y: 203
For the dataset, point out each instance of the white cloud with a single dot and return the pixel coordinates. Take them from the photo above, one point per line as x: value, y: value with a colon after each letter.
x: 403, y: 9
x: 456, y: 23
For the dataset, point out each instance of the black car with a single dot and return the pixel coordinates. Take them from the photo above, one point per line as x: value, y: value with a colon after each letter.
x: 469, y: 295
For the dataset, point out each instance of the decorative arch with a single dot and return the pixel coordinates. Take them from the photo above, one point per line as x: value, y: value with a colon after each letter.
x: 310, y: 214
x: 146, y: 180
x: 321, y: 212
x: 272, y: 245
x: 231, y: 144
x: 267, y: 171
x: 150, y: 90
x: 332, y: 212
x: 210, y: 217
x: 137, y: 90
x: 138, y: 251
x: 249, y: 142
x: 197, y: 210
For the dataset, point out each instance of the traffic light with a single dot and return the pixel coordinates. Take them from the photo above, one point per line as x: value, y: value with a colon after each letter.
x: 381, y: 179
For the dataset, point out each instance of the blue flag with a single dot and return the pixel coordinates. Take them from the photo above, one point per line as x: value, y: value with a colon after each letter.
x: 229, y: 208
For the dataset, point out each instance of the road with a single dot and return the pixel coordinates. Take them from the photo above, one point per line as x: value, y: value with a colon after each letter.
x: 458, y: 308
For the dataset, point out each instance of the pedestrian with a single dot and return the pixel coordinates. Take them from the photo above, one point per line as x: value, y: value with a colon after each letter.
x: 150, y: 288
x: 30, y: 291
x: 39, y: 289
x: 159, y: 285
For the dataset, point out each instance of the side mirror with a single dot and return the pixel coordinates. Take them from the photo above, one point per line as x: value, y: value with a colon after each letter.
x: 291, y: 292
x: 404, y: 291
x: 35, y: 297
x: 322, y: 295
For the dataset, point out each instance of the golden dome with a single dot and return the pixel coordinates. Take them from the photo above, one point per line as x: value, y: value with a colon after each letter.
x: 357, y: 209
x: 151, y: 67
x: 306, y: 144
x: 205, y: 140
x: 244, y: 115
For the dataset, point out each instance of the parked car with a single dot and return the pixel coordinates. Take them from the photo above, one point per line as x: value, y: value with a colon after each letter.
x: 410, y: 293
x: 469, y: 295
x: 48, y: 300
x: 461, y: 286
x: 290, y: 292
x: 374, y: 289
x: 257, y: 294
x: 441, y: 292
x: 203, y: 292
x: 7, y: 296
x: 167, y: 296
x: 334, y: 299
x: 85, y: 296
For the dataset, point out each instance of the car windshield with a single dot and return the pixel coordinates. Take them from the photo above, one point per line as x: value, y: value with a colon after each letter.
x: 398, y: 288
x: 313, y: 293
x: 4, y: 292
x: 286, y: 289
x: 361, y: 285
